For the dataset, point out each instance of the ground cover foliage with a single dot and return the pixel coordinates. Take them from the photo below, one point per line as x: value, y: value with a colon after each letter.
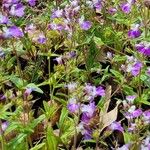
x: 74, y: 75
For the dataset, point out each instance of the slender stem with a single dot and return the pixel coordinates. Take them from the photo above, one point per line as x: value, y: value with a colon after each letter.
x: 49, y: 72
x: 18, y: 63
x: 75, y: 137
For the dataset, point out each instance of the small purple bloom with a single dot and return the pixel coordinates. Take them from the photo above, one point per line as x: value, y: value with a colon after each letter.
x: 116, y: 126
x: 88, y: 109
x: 72, y: 86
x: 134, y: 32
x: 100, y: 91
x: 2, y: 97
x: 124, y: 147
x: 71, y: 54
x: 130, y: 98
x: 148, y: 71
x: 109, y: 55
x: 3, y: 19
x: 92, y: 91
x: 13, y: 31
x: 134, y: 114
x: 87, y: 132
x: 97, y: 4
x: 4, y: 126
x: 59, y: 60
x: 146, y: 117
x: 146, y: 143
x: 126, y: 8
x: 30, y: 27
x: 86, y: 25
x: 136, y: 68
x: 2, y: 54
x: 32, y: 2
x: 143, y: 48
x: 73, y: 106
x: 28, y: 92
x: 41, y: 39
x: 112, y: 11
x: 60, y: 27
x: 57, y: 13
x: 17, y: 10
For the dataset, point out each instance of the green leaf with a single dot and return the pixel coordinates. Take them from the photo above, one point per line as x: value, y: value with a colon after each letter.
x: 37, y: 147
x: 17, y: 141
x: 98, y: 41
x: 117, y: 74
x: 34, y: 87
x: 63, y: 116
x: 51, y: 139
x: 91, y: 55
x: 17, y: 81
x: 127, y: 137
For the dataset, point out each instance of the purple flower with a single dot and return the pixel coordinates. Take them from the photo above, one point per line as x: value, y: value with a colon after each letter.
x: 85, y: 25
x: 148, y: 71
x: 136, y: 68
x: 109, y: 55
x: 85, y: 118
x: 57, y: 13
x: 100, y: 91
x: 146, y: 143
x: 143, y: 48
x: 126, y: 8
x: 17, y: 10
x: 41, y: 39
x: 28, y: 92
x: 130, y: 98
x: 30, y: 27
x: 134, y: 32
x: 71, y: 54
x: 97, y: 4
x: 73, y: 106
x: 146, y: 116
x: 2, y: 97
x: 59, y: 60
x: 87, y: 132
x: 72, y: 86
x: 13, y: 31
x: 133, y: 113
x: 2, y: 54
x: 124, y: 147
x: 92, y: 91
x: 112, y: 11
x: 3, y: 19
x: 60, y: 27
x: 32, y: 2
x: 88, y: 109
x: 4, y: 126
x: 8, y: 3
x: 116, y: 126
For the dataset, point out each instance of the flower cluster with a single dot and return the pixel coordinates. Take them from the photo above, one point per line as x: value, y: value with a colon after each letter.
x: 127, y: 6
x: 77, y: 105
x: 132, y: 66
x: 144, y: 48
x: 68, y: 18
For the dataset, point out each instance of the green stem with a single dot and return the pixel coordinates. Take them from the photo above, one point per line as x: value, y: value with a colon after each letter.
x: 49, y: 72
